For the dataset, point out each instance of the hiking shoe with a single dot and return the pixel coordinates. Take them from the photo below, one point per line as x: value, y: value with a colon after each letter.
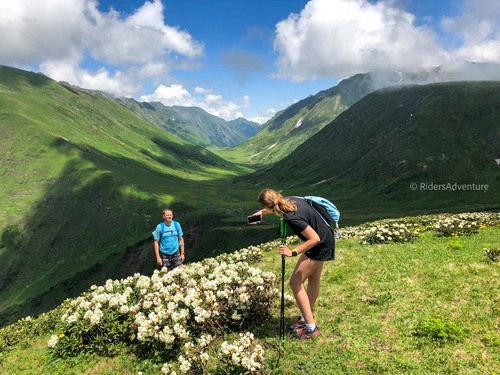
x: 297, y: 325
x: 304, y: 334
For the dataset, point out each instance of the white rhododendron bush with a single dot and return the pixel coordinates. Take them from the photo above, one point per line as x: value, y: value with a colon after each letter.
x: 408, y: 229
x: 173, y: 314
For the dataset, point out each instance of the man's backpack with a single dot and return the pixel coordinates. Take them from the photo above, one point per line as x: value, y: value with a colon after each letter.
x: 327, y: 210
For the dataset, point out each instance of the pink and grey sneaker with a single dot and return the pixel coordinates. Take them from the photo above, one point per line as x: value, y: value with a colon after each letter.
x: 304, y: 334
x: 297, y: 325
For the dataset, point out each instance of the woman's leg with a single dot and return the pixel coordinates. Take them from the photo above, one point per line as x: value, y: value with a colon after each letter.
x: 304, y: 270
x: 313, y: 282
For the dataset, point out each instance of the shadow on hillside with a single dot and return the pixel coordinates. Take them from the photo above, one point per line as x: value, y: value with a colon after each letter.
x: 192, y: 155
x: 94, y: 223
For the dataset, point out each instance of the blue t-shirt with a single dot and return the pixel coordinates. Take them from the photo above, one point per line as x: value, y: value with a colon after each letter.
x: 169, y: 243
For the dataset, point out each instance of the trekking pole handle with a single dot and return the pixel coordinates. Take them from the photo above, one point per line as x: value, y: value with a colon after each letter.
x: 283, y: 231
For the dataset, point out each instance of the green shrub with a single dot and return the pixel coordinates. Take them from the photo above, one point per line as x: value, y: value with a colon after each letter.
x: 439, y: 331
x: 456, y: 244
x: 28, y: 327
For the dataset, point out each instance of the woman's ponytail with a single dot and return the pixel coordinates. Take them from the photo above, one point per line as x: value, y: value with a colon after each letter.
x: 274, y: 201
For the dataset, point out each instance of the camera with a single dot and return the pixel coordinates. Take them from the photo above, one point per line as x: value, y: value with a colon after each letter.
x: 253, y: 219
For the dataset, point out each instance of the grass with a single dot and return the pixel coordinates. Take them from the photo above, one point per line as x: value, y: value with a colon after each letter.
x: 427, y: 307
x: 375, y: 299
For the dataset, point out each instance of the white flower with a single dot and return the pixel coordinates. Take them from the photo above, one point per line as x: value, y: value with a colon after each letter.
x: 185, y: 365
x: 87, y: 315
x: 54, y: 339
x: 96, y: 317
x: 109, y: 285
x: 204, y: 357
x: 236, y: 316
x: 73, y: 318
x: 167, y: 369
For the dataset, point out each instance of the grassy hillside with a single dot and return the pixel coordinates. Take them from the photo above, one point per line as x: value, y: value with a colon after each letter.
x: 83, y: 180
x: 407, y: 149
x: 296, y: 124
x: 427, y: 306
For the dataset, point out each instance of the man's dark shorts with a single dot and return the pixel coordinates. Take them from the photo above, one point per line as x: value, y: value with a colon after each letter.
x: 171, y: 261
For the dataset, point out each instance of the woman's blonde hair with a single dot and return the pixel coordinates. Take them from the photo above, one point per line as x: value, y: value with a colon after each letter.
x: 274, y: 201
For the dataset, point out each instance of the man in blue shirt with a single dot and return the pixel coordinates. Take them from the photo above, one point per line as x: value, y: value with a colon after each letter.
x: 169, y: 242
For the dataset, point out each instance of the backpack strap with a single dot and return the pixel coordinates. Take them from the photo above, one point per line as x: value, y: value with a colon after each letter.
x: 311, y: 204
x: 176, y: 225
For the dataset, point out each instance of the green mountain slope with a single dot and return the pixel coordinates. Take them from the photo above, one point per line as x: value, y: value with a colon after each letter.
x: 193, y: 124
x: 165, y: 118
x: 300, y: 121
x: 368, y: 158
x: 82, y: 178
x: 215, y: 130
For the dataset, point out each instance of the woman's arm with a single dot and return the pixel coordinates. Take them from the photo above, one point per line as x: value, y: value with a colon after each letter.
x: 312, y: 240
x: 263, y: 212
x: 256, y: 217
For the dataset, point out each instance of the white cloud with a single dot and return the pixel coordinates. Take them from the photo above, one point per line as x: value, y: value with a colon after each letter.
x: 127, y: 50
x: 259, y: 119
x: 139, y: 38
x: 243, y: 64
x: 170, y: 95
x: 339, y: 38
x: 31, y: 33
x: 264, y: 116
x: 201, y: 90
x: 479, y: 30
x: 120, y: 83
x: 204, y: 98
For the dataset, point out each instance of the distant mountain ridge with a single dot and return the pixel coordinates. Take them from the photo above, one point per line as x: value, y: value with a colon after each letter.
x: 193, y: 123
x: 289, y: 128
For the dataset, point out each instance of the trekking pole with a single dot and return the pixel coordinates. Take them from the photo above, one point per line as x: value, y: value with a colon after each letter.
x: 282, y: 309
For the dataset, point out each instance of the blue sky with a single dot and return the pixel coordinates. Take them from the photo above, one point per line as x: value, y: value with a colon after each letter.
x: 240, y: 58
